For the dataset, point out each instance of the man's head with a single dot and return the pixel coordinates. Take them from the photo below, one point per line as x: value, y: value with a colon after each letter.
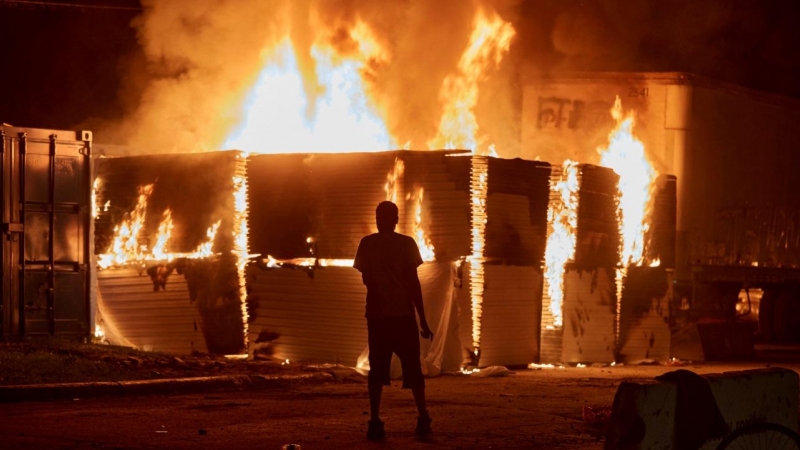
x: 386, y: 215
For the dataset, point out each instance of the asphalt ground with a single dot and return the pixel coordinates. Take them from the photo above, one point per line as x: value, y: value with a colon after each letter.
x: 529, y: 409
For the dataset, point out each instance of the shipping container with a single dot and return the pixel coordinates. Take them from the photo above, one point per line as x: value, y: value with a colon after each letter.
x: 46, y: 224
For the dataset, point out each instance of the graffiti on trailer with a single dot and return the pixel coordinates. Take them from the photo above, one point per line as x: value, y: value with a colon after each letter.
x: 557, y: 112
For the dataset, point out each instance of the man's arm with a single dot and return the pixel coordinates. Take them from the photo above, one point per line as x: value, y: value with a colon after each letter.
x: 416, y: 299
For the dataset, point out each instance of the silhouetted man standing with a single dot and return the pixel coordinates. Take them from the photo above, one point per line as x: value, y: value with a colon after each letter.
x: 388, y: 264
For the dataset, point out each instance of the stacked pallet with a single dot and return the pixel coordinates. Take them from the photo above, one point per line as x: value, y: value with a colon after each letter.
x: 516, y: 206
x: 316, y: 315
x: 644, y: 332
x: 318, y: 312
x: 590, y: 311
x: 510, y: 319
x: 332, y: 198
x: 506, y: 283
x: 179, y: 305
x: 660, y: 238
x: 131, y: 313
x: 443, y: 179
x: 589, y: 295
x: 308, y: 315
x: 197, y: 188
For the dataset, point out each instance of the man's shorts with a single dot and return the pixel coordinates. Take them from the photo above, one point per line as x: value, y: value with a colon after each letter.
x: 394, y: 335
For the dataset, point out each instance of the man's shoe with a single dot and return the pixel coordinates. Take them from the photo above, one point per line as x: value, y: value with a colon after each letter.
x: 375, y: 431
x: 423, y: 426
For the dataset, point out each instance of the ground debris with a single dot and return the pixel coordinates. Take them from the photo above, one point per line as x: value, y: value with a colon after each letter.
x: 66, y: 361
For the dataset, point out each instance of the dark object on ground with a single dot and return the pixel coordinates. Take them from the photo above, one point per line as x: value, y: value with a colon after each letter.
x: 423, y: 426
x: 375, y: 431
x: 697, y: 416
x: 596, y: 415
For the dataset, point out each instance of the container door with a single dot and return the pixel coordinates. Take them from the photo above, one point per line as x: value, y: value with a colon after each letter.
x: 11, y: 232
x: 55, y: 218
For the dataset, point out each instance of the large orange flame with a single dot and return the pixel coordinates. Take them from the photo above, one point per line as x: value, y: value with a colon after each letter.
x: 125, y: 246
x: 423, y: 241
x: 164, y: 233
x: 342, y: 118
x: 562, y: 219
x: 394, y: 180
x: 489, y: 42
x: 627, y: 157
x: 126, y: 249
x: 240, y: 242
x: 284, y: 115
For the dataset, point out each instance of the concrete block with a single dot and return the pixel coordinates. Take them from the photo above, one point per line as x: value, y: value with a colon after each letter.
x: 644, y: 415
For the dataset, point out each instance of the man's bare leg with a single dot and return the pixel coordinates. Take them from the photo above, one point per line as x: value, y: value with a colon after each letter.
x: 419, y: 399
x: 424, y: 420
x: 375, y: 392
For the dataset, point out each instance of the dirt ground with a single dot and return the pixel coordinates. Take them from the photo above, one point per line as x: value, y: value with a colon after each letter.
x: 530, y: 409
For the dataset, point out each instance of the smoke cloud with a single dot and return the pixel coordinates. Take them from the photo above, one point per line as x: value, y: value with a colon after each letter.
x: 186, y: 90
x: 201, y: 61
x: 747, y: 42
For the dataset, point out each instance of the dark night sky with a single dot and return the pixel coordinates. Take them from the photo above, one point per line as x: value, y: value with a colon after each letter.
x: 71, y: 68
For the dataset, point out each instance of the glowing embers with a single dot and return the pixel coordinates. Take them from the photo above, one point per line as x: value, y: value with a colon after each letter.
x: 626, y: 156
x: 562, y: 220
x: 489, y: 42
x: 271, y: 262
x: 479, y: 180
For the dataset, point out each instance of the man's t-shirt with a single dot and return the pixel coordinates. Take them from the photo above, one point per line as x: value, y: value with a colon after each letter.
x: 384, y: 259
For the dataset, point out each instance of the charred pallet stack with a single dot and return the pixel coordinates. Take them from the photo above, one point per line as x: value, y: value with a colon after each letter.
x: 612, y: 313
x: 516, y: 212
x: 331, y: 199
x: 309, y: 206
x: 589, y: 289
x: 590, y: 282
x: 172, y: 304
x: 314, y: 205
x: 643, y: 330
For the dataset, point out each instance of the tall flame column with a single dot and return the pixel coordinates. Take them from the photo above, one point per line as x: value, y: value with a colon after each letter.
x: 479, y: 174
x: 240, y: 231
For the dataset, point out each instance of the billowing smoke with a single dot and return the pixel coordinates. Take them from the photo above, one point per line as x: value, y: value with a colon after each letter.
x: 748, y: 42
x: 203, y: 57
x: 200, y: 59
